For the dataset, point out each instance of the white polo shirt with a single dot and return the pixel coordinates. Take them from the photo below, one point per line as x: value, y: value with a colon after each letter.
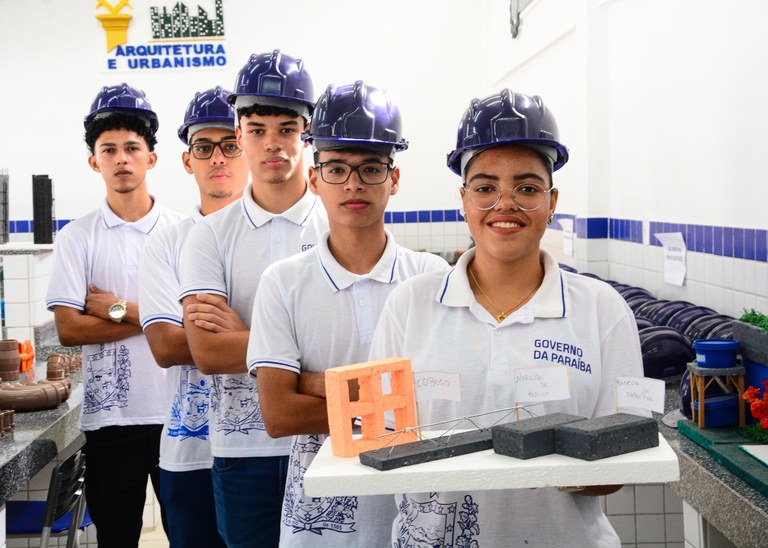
x: 185, y: 443
x: 123, y: 383
x: 225, y: 254
x: 572, y: 320
x: 320, y: 316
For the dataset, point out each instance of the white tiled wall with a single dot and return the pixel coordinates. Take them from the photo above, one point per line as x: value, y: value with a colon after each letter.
x: 434, y: 237
x: 646, y: 516
x: 724, y: 284
x: 25, y: 282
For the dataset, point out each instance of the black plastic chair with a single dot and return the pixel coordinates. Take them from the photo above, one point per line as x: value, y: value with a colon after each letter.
x: 64, y: 511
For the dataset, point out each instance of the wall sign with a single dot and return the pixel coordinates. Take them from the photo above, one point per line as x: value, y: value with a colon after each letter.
x: 163, y: 37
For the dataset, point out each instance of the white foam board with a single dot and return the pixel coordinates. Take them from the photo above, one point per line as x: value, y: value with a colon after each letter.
x: 760, y: 452
x: 335, y: 476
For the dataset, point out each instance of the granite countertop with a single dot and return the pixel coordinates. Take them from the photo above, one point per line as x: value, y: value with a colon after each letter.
x: 24, y: 248
x: 724, y: 500
x: 37, y: 437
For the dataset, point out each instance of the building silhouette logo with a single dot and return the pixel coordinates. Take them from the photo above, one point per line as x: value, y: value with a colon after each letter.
x: 183, y: 35
x: 180, y: 24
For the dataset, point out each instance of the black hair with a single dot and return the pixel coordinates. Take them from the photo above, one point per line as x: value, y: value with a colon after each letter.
x: 351, y: 150
x: 118, y: 120
x: 265, y: 110
x: 545, y: 160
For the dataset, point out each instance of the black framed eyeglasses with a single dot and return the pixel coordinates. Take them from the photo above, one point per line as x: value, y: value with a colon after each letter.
x: 203, y: 150
x: 527, y: 196
x: 338, y: 173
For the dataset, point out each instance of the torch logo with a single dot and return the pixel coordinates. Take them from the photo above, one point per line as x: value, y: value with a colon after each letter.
x: 115, y: 24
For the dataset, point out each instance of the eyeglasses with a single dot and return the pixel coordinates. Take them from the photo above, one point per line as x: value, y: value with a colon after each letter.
x: 202, y: 150
x: 527, y: 196
x: 370, y: 173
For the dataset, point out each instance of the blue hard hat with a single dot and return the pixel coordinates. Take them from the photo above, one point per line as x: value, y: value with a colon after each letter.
x: 210, y: 107
x: 275, y: 75
x: 125, y: 99
x: 508, y: 118
x: 358, y: 116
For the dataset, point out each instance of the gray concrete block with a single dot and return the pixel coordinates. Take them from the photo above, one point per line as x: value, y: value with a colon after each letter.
x: 603, y: 437
x: 406, y: 454
x: 529, y: 438
x: 751, y: 337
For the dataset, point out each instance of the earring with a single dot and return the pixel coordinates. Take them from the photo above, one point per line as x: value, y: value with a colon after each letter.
x: 551, y: 218
x: 464, y: 214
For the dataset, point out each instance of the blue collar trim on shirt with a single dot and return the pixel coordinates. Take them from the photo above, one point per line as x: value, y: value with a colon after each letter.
x: 445, y: 284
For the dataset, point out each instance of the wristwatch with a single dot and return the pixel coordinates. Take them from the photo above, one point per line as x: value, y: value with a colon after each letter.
x: 118, y: 311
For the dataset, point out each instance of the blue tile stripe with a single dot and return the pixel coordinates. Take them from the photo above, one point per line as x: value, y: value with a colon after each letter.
x: 723, y: 241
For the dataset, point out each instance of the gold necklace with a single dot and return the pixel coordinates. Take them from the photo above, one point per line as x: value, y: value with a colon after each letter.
x: 503, y: 315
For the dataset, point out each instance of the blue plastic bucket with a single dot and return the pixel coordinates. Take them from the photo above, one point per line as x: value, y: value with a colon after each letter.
x: 715, y: 353
x: 720, y: 410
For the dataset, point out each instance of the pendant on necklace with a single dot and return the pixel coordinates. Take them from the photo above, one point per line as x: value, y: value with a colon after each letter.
x: 501, y: 317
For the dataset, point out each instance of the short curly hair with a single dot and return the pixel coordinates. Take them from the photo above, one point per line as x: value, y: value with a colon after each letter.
x: 118, y: 120
x: 265, y: 110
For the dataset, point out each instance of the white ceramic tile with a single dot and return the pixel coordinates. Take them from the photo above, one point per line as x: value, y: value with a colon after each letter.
x: 691, y: 526
x: 15, y: 267
x: 43, y: 478
x: 650, y: 527
x: 750, y: 277
x: 673, y: 527
x: 38, y: 495
x: 40, y: 314
x: 38, y: 288
x: 762, y: 305
x: 40, y: 264
x: 709, y: 269
x: 17, y: 315
x: 20, y: 495
x: 16, y: 291
x: 625, y: 527
x: 673, y: 504
x: 19, y: 542
x: 761, y: 279
x: 621, y: 502
x: 649, y: 499
x: 739, y: 274
x: 19, y: 333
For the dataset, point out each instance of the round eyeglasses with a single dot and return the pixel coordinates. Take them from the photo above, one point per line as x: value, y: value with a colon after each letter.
x: 203, y: 150
x: 527, y: 196
x: 338, y: 173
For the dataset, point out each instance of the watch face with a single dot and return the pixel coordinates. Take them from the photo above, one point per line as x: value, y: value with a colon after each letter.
x: 117, y: 311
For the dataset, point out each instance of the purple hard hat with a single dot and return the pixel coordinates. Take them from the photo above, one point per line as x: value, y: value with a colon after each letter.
x: 508, y: 118
x: 210, y: 108
x: 125, y: 99
x: 273, y: 76
x: 357, y: 116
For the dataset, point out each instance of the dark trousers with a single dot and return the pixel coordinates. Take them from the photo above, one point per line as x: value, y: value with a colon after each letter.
x: 188, y: 501
x: 119, y: 459
x: 249, y: 498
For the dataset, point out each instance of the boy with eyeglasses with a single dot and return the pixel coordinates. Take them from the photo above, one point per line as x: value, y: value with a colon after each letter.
x: 221, y: 173
x: 323, y: 306
x: 94, y: 298
x: 221, y: 263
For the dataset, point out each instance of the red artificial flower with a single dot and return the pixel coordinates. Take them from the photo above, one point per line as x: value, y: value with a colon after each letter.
x: 751, y: 394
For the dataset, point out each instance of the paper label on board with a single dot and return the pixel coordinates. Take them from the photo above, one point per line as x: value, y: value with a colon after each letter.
x: 542, y: 384
x: 640, y: 393
x: 437, y: 385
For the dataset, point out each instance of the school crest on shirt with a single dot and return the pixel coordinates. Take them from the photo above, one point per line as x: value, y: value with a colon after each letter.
x: 189, y: 412
x: 432, y: 524
x: 318, y: 514
x: 106, y: 379
x: 234, y: 399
